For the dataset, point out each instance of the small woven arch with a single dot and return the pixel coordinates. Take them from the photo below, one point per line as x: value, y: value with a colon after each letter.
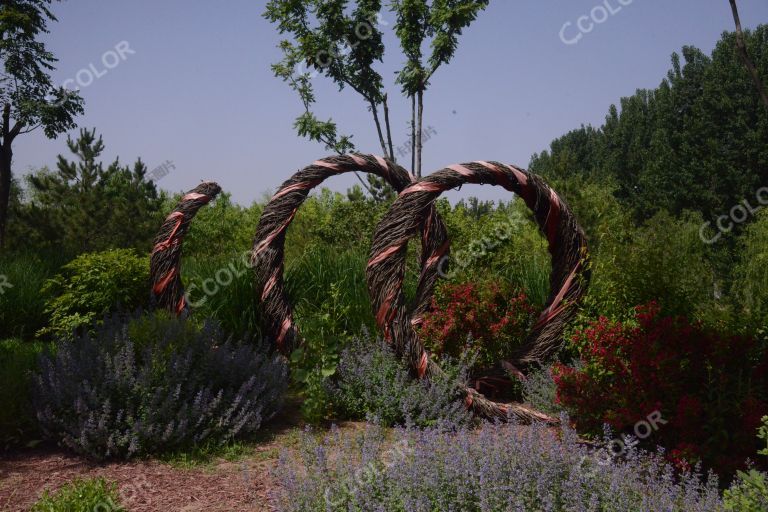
x: 568, y: 279
x: 165, y: 261
x: 268, y: 253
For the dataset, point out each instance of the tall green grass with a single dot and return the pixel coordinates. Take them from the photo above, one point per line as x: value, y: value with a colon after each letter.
x: 18, y: 359
x: 233, y: 304
x: 22, y: 306
x: 309, y: 279
x: 529, y: 274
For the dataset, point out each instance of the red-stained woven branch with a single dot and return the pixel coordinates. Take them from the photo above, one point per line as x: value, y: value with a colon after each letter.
x: 269, y: 243
x: 165, y: 261
x: 386, y: 267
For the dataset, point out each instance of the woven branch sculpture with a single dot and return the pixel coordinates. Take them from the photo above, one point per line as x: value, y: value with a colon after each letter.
x: 165, y: 261
x: 269, y: 243
x: 412, y: 213
x: 386, y: 267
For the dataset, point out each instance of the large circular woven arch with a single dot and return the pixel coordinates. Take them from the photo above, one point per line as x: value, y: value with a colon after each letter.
x: 269, y: 243
x: 165, y: 261
x: 385, y: 271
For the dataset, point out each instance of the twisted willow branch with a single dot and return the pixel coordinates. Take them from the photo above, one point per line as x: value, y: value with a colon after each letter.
x: 165, y: 261
x: 269, y: 243
x: 386, y: 267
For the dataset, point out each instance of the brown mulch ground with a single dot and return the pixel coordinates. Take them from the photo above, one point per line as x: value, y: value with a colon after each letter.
x: 144, y: 486
x: 149, y: 485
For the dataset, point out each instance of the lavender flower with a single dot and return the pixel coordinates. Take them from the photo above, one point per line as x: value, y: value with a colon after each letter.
x: 154, y: 385
x: 495, y: 468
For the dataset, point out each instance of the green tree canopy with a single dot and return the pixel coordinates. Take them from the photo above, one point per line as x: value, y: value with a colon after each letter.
x: 342, y: 41
x: 83, y: 206
x: 28, y: 97
x: 697, y: 142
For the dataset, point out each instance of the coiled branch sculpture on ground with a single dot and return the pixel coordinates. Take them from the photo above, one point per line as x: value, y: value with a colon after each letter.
x: 386, y: 267
x: 413, y: 213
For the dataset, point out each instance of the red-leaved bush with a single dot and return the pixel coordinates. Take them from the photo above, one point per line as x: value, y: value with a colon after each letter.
x: 711, y: 389
x: 495, y: 316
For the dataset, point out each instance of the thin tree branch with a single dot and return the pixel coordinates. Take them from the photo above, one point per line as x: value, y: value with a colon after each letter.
x: 431, y: 72
x: 389, y: 130
x: 375, y: 112
x: 33, y: 128
x: 420, y: 133
x: 413, y: 134
x: 742, y: 50
x: 330, y: 143
x: 365, y: 186
x: 6, y: 122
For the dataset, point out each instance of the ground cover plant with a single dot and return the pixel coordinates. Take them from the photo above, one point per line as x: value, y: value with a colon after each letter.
x: 81, y: 496
x: 499, y: 467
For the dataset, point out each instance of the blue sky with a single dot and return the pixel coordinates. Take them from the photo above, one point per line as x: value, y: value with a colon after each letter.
x: 195, y: 87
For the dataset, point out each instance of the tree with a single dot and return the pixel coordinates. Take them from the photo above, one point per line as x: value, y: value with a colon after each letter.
x: 696, y: 142
x: 28, y: 96
x: 744, y: 55
x: 83, y: 207
x: 343, y: 44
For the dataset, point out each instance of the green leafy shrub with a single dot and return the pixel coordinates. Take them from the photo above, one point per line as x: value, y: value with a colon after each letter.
x: 373, y: 383
x: 493, y: 316
x: 497, y: 239
x: 316, y: 360
x: 221, y: 229
x: 93, y: 285
x: 114, y: 394
x: 335, y: 220
x: 18, y: 361
x: 748, y: 493
x: 751, y: 283
x: 664, y: 260
x: 81, y: 496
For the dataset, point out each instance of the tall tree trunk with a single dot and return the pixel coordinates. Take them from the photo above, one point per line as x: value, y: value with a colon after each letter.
x: 419, y: 133
x: 413, y: 134
x: 742, y: 49
x: 5, y: 171
x: 5, y: 190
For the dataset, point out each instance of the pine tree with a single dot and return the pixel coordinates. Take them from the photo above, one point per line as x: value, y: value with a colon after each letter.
x: 83, y: 207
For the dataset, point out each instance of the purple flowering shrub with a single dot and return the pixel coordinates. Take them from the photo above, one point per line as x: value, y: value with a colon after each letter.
x: 495, y: 468
x: 372, y: 382
x: 131, y: 389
